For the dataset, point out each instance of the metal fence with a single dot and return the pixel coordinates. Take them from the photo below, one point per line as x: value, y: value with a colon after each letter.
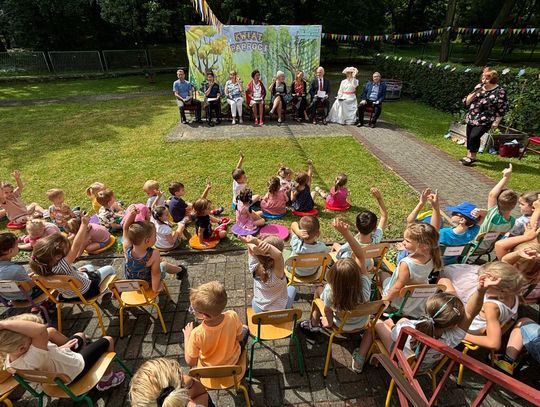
x: 19, y: 63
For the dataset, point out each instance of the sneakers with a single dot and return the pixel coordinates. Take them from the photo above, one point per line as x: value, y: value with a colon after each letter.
x: 357, y: 361
x: 240, y: 120
x: 182, y: 273
x: 308, y: 328
x: 261, y: 123
x: 233, y: 121
x: 503, y: 365
x: 114, y: 379
x: 256, y: 122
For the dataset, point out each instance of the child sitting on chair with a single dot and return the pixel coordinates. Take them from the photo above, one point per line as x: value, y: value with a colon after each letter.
x: 337, y: 197
x: 221, y: 337
x: 305, y: 235
x: 97, y: 236
x: 275, y: 200
x: 464, y: 231
x: 59, y: 211
x: 203, y: 222
x: 36, y: 229
x: 160, y: 382
x: 142, y: 261
x: 245, y: 217
x: 30, y: 345
x: 109, y: 215
x: 55, y: 255
x: 529, y: 202
x: 240, y: 181
x: 10, y: 200
x: 301, y: 198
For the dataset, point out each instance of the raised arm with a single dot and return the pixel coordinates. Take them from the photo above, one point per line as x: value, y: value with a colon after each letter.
x: 79, y: 242
x: 206, y: 190
x: 301, y: 233
x: 309, y: 170
x: 419, y: 206
x: 492, y: 338
x: 260, y: 247
x: 383, y: 212
x: 128, y: 221
x: 403, y: 278
x: 20, y: 186
x: 156, y: 200
x: 240, y: 161
x: 436, y: 210
x: 36, y: 332
x: 535, y: 217
x: 496, y: 190
x: 476, y: 301
x: 356, y: 248
x: 505, y: 246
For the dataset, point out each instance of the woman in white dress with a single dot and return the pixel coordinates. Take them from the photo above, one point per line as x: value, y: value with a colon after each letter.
x: 344, y: 108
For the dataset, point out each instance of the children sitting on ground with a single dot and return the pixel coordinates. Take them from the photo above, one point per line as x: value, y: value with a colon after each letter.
x: 92, y: 191
x: 59, y: 211
x: 160, y: 382
x: 369, y: 231
x: 265, y: 263
x: 36, y: 229
x: 166, y: 238
x: 464, y: 231
x: 151, y: 188
x: 421, y: 241
x: 97, y: 236
x: 30, y: 345
x: 221, y: 337
x: 142, y: 262
x: 526, y: 207
x: 109, y: 214
x: 446, y: 319
x: 246, y: 218
x: 13, y: 271
x: 240, y: 181
x: 203, y: 222
x: 337, y: 197
x: 285, y: 175
x: 10, y: 200
x: 275, y: 200
x: 301, y: 198
x: 55, y: 255
x: 304, y: 239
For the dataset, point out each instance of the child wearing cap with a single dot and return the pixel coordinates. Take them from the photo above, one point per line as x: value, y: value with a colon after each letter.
x: 465, y: 230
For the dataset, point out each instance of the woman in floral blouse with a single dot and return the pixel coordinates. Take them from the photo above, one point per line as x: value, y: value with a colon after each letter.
x: 487, y: 105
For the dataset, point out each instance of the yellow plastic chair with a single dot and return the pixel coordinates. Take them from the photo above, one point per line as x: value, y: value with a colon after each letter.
x: 273, y: 325
x: 135, y: 294
x: 7, y: 385
x: 320, y: 260
x: 52, y: 284
x: 415, y: 292
x: 53, y: 384
x: 373, y: 310
x: 224, y: 377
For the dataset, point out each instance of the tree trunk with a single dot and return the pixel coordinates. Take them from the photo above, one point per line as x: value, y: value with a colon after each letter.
x: 489, y: 41
x: 448, y: 22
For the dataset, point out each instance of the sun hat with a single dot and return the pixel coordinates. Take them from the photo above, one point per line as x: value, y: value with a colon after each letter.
x: 465, y: 209
x: 351, y: 69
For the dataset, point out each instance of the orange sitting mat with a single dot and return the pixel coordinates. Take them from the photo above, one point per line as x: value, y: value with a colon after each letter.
x: 195, y: 244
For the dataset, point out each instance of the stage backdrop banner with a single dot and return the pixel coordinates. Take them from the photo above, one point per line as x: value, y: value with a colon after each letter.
x: 244, y: 48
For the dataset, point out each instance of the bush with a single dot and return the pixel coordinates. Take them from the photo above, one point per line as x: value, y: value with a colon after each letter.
x: 445, y: 88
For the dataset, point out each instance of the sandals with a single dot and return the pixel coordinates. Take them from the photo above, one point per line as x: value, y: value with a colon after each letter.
x: 308, y: 328
x: 357, y: 361
x: 467, y: 161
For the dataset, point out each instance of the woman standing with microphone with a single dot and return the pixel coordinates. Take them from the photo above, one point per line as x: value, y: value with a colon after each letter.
x: 487, y: 105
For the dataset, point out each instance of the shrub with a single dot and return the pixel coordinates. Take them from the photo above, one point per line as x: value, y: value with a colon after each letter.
x: 444, y: 89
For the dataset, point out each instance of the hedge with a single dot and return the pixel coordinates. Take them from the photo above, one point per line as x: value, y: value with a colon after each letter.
x: 444, y: 86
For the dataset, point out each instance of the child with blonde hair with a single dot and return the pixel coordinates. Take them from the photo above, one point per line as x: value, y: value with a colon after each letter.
x: 10, y: 201
x: 275, y: 200
x: 240, y: 181
x: 109, y: 213
x: 529, y: 202
x: 301, y: 198
x: 92, y: 191
x: 151, y: 188
x: 285, y: 175
x: 29, y: 345
x: 220, y: 338
x: 246, y: 218
x: 59, y: 211
x: 337, y: 197
x: 36, y: 229
x: 55, y: 254
x: 203, y: 222
x: 160, y: 382
x: 97, y: 236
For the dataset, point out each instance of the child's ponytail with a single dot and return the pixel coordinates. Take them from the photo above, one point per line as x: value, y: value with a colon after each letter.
x: 273, y: 185
x: 341, y: 181
x: 157, y: 214
x: 47, y: 253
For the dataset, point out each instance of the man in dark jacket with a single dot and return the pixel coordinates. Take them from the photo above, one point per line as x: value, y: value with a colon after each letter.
x: 319, y: 89
x: 373, y: 95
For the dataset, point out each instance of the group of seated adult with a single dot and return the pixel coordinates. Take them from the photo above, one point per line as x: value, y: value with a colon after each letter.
x: 345, y: 109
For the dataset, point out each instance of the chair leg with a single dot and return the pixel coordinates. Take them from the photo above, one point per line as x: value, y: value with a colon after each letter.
x: 246, y: 394
x: 160, y: 316
x: 59, y: 316
x: 461, y: 369
x: 299, y: 354
x: 7, y: 402
x: 389, y: 394
x: 252, y: 353
x: 88, y: 400
x: 100, y: 318
x: 121, y: 321
x: 328, y: 355
x: 123, y: 365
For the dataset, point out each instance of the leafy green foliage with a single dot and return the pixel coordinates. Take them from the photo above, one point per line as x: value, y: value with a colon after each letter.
x: 445, y: 88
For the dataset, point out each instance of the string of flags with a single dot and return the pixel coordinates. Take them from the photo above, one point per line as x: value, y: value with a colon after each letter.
x: 419, y: 34
x: 202, y: 7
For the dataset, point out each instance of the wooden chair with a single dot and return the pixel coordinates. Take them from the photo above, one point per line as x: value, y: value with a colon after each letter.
x: 53, y: 384
x: 224, y: 377
x: 487, y: 237
x: 135, y: 294
x: 321, y: 260
x: 52, y: 284
x: 372, y: 310
x: 273, y: 325
x: 535, y: 142
x: 415, y: 292
x: 24, y: 288
x: 7, y: 385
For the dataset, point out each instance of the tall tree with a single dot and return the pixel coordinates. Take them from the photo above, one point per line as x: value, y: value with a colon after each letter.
x: 489, y: 41
x: 448, y: 22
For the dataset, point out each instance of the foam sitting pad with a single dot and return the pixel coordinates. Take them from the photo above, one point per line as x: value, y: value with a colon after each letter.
x: 337, y: 208
x: 278, y: 230
x: 110, y: 243
x: 312, y: 212
x: 270, y: 216
x: 240, y: 231
x: 195, y: 244
x: 94, y: 219
x: 15, y: 226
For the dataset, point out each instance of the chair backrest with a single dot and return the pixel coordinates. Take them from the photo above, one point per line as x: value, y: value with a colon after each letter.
x: 39, y: 376
x: 421, y: 290
x: 58, y: 282
x: 276, y: 317
x: 309, y: 260
x: 12, y: 287
x: 373, y: 309
x: 375, y: 250
x: 118, y: 287
x: 460, y: 250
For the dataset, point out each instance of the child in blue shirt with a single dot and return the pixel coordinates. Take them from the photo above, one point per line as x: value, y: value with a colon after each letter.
x: 304, y: 239
x: 465, y: 230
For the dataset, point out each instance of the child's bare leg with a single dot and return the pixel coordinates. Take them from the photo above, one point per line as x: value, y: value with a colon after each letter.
x: 316, y: 314
x: 450, y: 289
x: 515, y: 342
x: 261, y: 111
x: 180, y: 228
x: 257, y: 219
x: 92, y: 246
x: 254, y: 109
x: 383, y: 329
x: 222, y: 234
x: 172, y: 268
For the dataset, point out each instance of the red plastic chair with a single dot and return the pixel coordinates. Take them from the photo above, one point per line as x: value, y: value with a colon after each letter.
x: 535, y: 141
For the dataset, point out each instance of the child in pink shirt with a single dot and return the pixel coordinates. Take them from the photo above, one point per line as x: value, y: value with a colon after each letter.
x: 36, y: 229
x: 245, y: 217
x: 97, y: 236
x: 275, y: 200
x: 11, y: 202
x: 337, y: 198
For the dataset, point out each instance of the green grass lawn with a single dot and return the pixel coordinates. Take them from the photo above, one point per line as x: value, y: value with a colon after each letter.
x: 84, y: 87
x: 431, y: 125
x: 122, y: 144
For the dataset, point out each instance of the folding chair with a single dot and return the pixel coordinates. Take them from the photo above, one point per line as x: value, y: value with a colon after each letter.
x: 52, y: 284
x: 487, y: 237
x: 321, y: 260
x: 273, y: 325
x: 135, y: 294
x: 7, y: 385
x: 224, y: 377
x: 53, y: 384
x: 373, y: 310
x: 416, y: 294
x: 375, y: 251
x: 528, y: 147
x: 460, y: 251
x: 24, y: 288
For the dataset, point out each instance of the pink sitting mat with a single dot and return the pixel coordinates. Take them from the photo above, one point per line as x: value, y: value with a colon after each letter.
x: 273, y: 229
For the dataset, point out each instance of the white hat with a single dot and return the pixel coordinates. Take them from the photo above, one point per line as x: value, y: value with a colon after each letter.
x: 351, y: 69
